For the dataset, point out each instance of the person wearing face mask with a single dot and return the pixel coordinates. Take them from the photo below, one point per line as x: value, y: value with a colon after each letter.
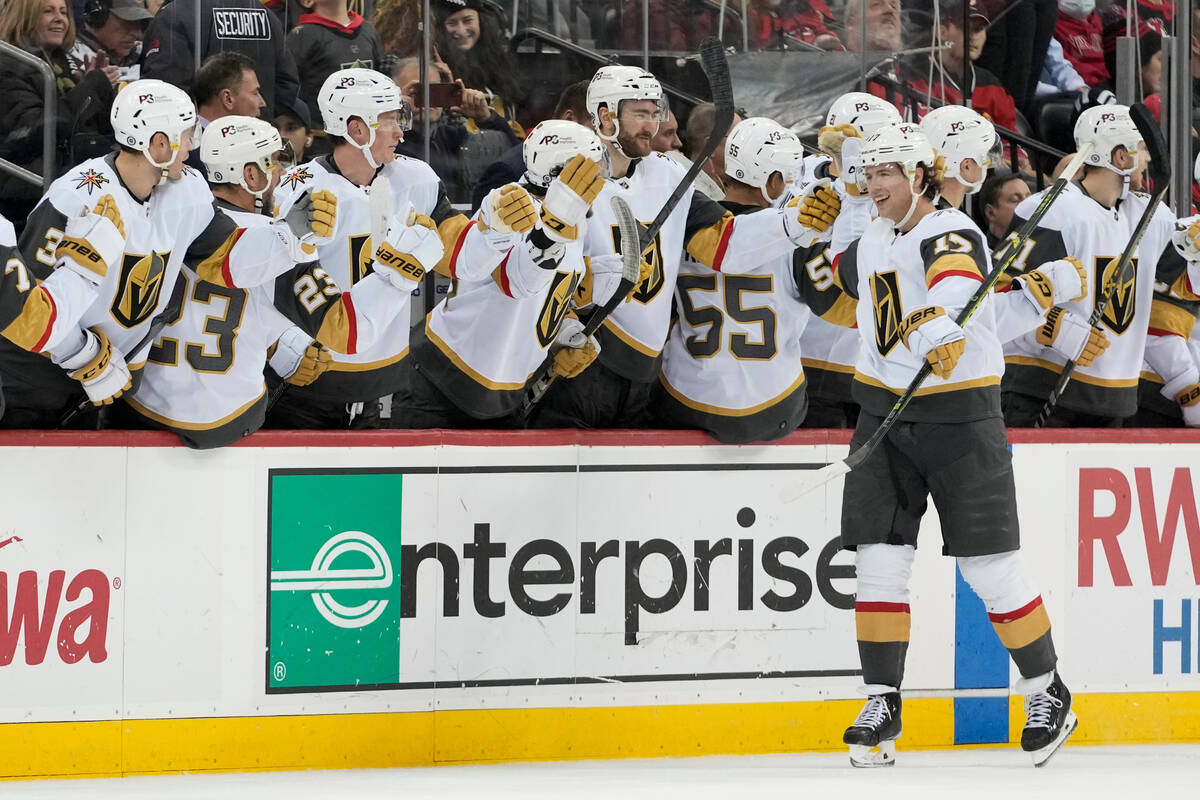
x: 1078, y: 31
x: 732, y: 363
x: 1091, y: 222
x: 45, y: 28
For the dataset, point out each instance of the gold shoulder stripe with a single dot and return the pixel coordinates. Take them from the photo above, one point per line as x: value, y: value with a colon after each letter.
x: 1182, y: 288
x: 843, y: 312
x: 31, y: 328
x: 336, y: 331
x: 215, y: 268
x: 453, y: 231
x: 1170, y: 318
x: 951, y: 265
x: 708, y: 245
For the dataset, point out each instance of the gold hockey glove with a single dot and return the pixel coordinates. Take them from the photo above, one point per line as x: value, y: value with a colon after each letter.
x: 1071, y: 336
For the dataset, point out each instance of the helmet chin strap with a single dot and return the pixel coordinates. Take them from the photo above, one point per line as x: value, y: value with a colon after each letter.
x: 365, y: 148
x: 614, y: 140
x: 912, y: 207
x: 165, y: 166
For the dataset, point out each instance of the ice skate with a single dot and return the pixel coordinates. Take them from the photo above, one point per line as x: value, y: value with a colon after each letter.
x: 872, y: 737
x: 1049, y: 720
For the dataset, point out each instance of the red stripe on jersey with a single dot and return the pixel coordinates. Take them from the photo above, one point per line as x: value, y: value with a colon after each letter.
x: 504, y: 287
x: 458, y: 246
x: 37, y: 348
x: 351, y: 324
x: 953, y: 273
x: 894, y: 608
x: 1013, y: 616
x: 1161, y: 332
x: 226, y: 275
x: 722, y: 246
x: 836, y: 260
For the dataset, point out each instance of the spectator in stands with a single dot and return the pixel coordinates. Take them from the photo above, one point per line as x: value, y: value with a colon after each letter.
x: 572, y: 105
x: 114, y: 27
x: 774, y: 22
x: 699, y: 126
x: 295, y: 128
x: 45, y: 29
x: 999, y: 197
x: 241, y: 25
x: 458, y: 155
x: 1058, y: 74
x: 1078, y: 31
x: 328, y: 38
x: 227, y: 84
x: 474, y: 46
x: 667, y: 138
x: 883, y: 25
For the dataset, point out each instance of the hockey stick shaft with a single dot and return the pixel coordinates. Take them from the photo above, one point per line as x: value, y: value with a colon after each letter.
x: 1160, y: 168
x: 712, y: 57
x: 1004, y: 260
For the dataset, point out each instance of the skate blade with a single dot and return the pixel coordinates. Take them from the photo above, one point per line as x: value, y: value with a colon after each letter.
x: 865, y: 757
x: 1041, y: 757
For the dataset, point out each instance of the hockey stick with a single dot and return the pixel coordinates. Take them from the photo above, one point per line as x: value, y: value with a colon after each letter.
x: 793, y: 490
x: 712, y: 57
x: 1160, y: 173
x: 631, y: 262
x: 168, y: 314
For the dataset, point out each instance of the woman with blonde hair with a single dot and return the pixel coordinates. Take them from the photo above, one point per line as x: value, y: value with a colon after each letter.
x: 45, y: 29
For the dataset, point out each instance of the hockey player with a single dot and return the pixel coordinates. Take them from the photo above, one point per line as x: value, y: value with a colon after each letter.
x: 626, y: 105
x: 913, y: 270
x: 1091, y: 221
x: 203, y: 379
x: 830, y: 351
x: 91, y: 312
x: 478, y: 350
x: 376, y: 189
x: 732, y: 363
x: 966, y: 145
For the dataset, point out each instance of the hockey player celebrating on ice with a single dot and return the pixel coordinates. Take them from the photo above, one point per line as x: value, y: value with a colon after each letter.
x: 626, y: 105
x: 478, y: 350
x: 913, y: 270
x: 830, y: 351
x: 203, y: 379
x: 966, y: 144
x: 1091, y: 222
x: 103, y: 277
x: 732, y: 363
x: 378, y: 193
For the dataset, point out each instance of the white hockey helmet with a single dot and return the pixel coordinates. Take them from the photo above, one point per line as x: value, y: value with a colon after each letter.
x: 865, y: 112
x: 1107, y: 127
x: 230, y: 143
x: 362, y: 93
x: 958, y: 133
x: 902, y: 144
x: 146, y: 107
x: 613, y: 83
x: 759, y: 147
x: 553, y: 143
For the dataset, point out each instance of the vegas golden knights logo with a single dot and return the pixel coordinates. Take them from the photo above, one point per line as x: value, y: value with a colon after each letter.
x: 361, y: 258
x: 139, y: 287
x: 885, y: 293
x: 558, y: 303
x: 648, y: 289
x: 1118, y: 316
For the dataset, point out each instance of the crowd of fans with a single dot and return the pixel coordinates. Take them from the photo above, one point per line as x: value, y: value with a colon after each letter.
x: 268, y: 60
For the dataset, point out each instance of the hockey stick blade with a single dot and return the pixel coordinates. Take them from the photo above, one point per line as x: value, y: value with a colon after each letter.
x: 798, y: 487
x: 1160, y: 172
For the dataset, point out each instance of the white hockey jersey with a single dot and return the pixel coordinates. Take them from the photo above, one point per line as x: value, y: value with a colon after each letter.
x: 634, y: 335
x: 1076, y: 225
x: 940, y: 262
x: 363, y: 215
x: 732, y: 362
x: 179, y: 224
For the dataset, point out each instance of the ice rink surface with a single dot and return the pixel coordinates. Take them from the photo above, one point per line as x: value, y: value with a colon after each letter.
x: 1095, y: 773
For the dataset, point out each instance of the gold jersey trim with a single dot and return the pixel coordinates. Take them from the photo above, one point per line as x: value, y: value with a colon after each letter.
x: 194, y: 426
x: 628, y: 339
x: 828, y: 366
x: 1110, y: 383
x: 457, y: 361
x: 730, y: 412
x: 986, y: 380
x: 367, y: 366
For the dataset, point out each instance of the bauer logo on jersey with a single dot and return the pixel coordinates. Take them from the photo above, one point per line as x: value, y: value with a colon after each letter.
x: 558, y: 302
x: 885, y: 293
x: 296, y: 177
x: 648, y: 289
x: 91, y: 180
x: 1118, y: 316
x: 139, y: 288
